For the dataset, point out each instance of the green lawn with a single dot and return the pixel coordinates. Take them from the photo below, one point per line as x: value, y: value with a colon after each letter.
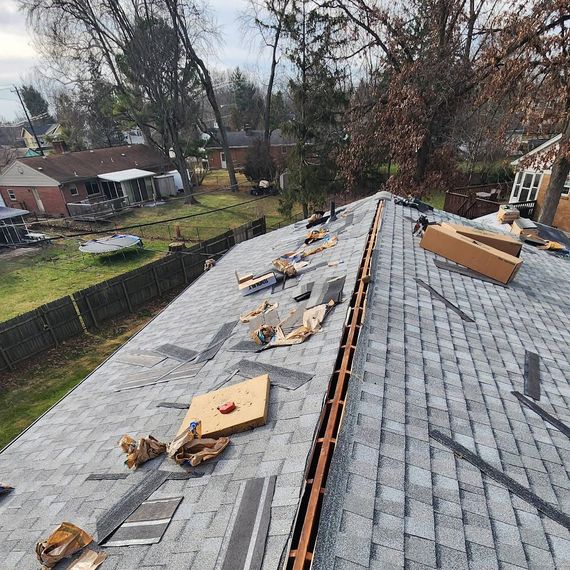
x: 29, y: 392
x: 436, y: 199
x: 47, y: 273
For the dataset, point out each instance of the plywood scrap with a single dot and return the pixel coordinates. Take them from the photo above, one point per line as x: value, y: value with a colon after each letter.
x: 89, y: 560
x: 63, y: 542
x: 252, y: 402
x: 138, y: 453
x: 264, y: 307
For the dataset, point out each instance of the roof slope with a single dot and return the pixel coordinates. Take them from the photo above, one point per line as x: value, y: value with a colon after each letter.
x: 7, y: 213
x: 48, y: 464
x: 72, y: 166
x: 395, y: 497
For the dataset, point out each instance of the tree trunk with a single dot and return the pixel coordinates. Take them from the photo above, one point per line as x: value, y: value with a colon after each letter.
x: 182, y: 167
x: 558, y: 177
x: 560, y: 172
x: 422, y: 159
x: 305, y: 210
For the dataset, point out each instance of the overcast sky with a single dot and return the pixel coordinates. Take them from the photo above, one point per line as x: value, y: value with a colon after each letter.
x: 18, y: 57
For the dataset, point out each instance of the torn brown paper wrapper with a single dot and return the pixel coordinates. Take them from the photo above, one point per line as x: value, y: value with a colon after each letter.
x: 330, y: 242
x: 64, y: 541
x: 139, y: 453
x: 89, y: 560
x: 186, y: 447
x: 264, y: 307
x: 312, y: 321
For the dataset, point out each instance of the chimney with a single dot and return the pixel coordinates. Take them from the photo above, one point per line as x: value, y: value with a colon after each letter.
x: 59, y: 147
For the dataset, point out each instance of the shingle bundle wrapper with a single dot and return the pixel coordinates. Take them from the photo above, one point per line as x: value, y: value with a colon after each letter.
x: 188, y: 446
x: 138, y: 453
x: 263, y: 308
x: 64, y: 541
x: 89, y: 560
x: 312, y: 321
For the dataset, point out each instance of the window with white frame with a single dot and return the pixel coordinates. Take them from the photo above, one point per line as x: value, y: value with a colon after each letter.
x: 92, y: 188
x: 566, y: 191
x: 525, y: 186
x: 11, y: 195
x: 73, y: 190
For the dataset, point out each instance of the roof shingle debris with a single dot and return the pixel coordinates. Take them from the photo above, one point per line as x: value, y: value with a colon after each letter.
x: 396, y: 497
x: 52, y: 461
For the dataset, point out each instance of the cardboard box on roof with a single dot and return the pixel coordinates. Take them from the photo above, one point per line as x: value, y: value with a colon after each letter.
x: 524, y: 227
x: 473, y: 254
x: 494, y: 239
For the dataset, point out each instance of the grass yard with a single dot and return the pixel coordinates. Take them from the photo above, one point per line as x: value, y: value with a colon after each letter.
x: 30, y: 391
x: 43, y: 274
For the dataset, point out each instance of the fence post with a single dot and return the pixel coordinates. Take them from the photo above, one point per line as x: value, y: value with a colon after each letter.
x: 6, y: 359
x: 183, y: 268
x: 156, y: 280
x: 44, y: 313
x: 126, y: 296
x: 88, y: 303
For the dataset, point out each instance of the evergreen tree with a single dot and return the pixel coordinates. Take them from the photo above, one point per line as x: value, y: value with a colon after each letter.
x: 35, y: 103
x: 247, y: 107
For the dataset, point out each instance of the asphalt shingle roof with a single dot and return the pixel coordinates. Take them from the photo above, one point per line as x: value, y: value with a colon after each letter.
x: 395, y: 497
x: 49, y: 463
x: 84, y: 164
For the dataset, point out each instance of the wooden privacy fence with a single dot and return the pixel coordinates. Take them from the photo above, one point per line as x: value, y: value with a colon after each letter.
x: 45, y: 327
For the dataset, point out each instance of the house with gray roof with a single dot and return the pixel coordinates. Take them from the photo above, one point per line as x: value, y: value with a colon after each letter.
x: 436, y: 458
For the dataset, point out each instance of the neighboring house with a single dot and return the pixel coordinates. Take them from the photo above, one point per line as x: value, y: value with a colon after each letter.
x: 45, y: 133
x: 45, y: 185
x: 240, y: 141
x: 12, y: 225
x: 134, y: 136
x: 532, y: 178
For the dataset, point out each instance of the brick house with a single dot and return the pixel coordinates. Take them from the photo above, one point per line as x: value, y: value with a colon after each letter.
x: 240, y: 141
x: 532, y: 178
x: 45, y: 185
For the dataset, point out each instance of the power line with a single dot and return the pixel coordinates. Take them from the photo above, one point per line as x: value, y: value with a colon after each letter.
x: 146, y: 224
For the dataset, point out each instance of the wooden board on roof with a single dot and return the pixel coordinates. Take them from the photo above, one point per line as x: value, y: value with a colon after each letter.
x: 252, y: 403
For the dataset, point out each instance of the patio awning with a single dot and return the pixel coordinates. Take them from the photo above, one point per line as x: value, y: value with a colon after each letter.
x: 124, y: 175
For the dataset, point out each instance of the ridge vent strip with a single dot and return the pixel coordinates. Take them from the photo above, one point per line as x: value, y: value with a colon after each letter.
x: 308, y: 515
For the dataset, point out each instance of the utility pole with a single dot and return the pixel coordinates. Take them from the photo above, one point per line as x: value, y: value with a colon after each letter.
x: 30, y: 122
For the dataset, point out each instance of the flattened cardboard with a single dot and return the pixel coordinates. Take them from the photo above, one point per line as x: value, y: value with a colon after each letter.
x: 252, y: 402
x: 493, y: 239
x: 470, y: 253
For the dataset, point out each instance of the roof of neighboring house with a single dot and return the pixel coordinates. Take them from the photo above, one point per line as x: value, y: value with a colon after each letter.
x: 41, y: 129
x: 7, y: 213
x: 540, y: 148
x: 73, y: 166
x: 244, y: 139
x: 395, y: 497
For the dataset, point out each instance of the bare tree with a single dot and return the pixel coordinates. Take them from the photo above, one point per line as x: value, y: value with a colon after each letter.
x: 268, y: 17
x: 150, y: 50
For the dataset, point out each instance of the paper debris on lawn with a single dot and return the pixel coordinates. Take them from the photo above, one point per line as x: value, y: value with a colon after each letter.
x: 64, y: 541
